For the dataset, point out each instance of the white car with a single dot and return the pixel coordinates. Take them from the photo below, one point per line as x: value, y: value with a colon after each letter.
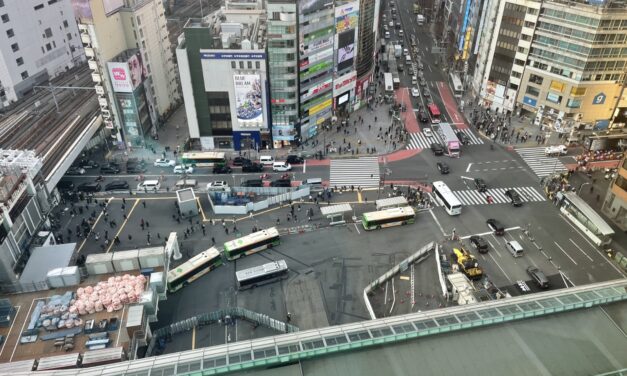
x: 219, y: 186
x: 406, y: 52
x: 415, y: 92
x: 165, y: 163
x: 281, y: 166
x: 180, y: 169
x: 427, y: 132
x: 555, y: 150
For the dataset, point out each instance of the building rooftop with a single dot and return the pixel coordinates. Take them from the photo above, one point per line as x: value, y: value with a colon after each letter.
x: 234, y: 29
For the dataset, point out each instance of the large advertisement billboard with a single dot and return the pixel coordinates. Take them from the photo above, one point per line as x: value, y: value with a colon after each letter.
x: 138, y: 71
x: 345, y: 50
x: 346, y: 17
x: 248, y: 99
x: 120, y: 77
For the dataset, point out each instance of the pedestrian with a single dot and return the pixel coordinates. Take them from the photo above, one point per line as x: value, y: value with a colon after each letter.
x: 213, y: 240
x: 226, y: 230
x: 125, y: 217
x: 147, y: 224
x: 116, y: 240
x: 144, y: 203
x: 141, y: 221
x: 142, y: 226
x: 123, y: 201
x: 130, y: 237
x: 204, y: 231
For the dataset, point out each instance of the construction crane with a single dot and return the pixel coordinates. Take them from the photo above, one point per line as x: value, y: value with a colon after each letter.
x: 467, y: 263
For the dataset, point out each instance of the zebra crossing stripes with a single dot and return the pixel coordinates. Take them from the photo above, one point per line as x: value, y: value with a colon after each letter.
x: 474, y: 197
x: 420, y: 141
x: 361, y: 172
x: 540, y: 164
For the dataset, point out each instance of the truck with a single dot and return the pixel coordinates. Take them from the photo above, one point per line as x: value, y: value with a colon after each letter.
x: 389, y: 86
x: 450, y: 140
x: 467, y: 263
x: 398, y: 50
x: 396, y: 81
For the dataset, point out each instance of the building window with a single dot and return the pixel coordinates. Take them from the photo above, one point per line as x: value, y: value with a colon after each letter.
x: 48, y: 47
x: 5, y: 18
x: 1, y: 3
x: 65, y: 24
x: 250, y: 65
x: 552, y: 97
x: 48, y: 33
x: 54, y: 44
x: 574, y: 103
x: 38, y: 7
x: 233, y: 65
x: 536, y: 79
x: 519, y: 62
x: 139, y: 21
x: 15, y: 47
x: 578, y: 91
x: 69, y: 36
x: 24, y: 75
x: 19, y: 61
x: 241, y: 65
x: 257, y: 65
x: 532, y: 91
x: 516, y: 74
x: 10, y: 33
x: 557, y: 86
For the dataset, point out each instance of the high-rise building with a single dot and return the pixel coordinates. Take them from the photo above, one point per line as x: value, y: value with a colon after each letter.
x: 40, y: 41
x: 127, y: 46
x: 283, y: 70
x: 562, y: 59
x: 222, y: 65
x: 366, y: 45
x: 615, y: 203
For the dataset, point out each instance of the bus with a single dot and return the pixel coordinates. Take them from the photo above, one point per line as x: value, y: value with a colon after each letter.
x: 249, y: 244
x: 447, y: 198
x: 388, y: 218
x: 261, y: 275
x: 434, y: 113
x: 449, y: 139
x: 389, y: 85
x: 203, y: 159
x: 456, y: 85
x: 584, y: 218
x: 193, y: 269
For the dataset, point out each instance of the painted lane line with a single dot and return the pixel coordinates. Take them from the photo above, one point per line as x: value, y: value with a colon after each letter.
x: 22, y: 330
x: 494, y: 248
x: 437, y: 222
x: 305, y: 166
x: 357, y: 229
x: 579, y: 248
x: 468, y: 169
x: 499, y: 266
x: 577, y: 230
x: 567, y: 255
x: 17, y: 312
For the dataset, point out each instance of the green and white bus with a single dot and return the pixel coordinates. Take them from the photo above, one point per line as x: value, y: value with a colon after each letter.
x: 203, y: 159
x: 249, y: 244
x: 388, y: 218
x: 193, y: 269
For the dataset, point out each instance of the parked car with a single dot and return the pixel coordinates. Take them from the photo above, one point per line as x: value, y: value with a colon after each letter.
x: 89, y: 187
x: 428, y: 132
x: 514, y: 197
x: 240, y: 161
x: 480, y: 244
x: 496, y: 226
x: 109, y: 169
x: 294, y: 159
x: 481, y: 185
x: 463, y: 137
x: 437, y: 149
x: 182, y: 169
x: 443, y: 168
x: 165, y: 163
x: 74, y: 170
x: 88, y: 164
x: 117, y: 185
x: 222, y: 170
x: 538, y: 276
x: 281, y: 183
x: 252, y: 167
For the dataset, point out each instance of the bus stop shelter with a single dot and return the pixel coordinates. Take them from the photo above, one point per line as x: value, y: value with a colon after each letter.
x: 392, y: 202
x: 335, y: 213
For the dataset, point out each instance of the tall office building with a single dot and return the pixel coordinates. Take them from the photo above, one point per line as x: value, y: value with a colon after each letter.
x: 127, y: 46
x: 283, y: 70
x: 366, y: 45
x: 40, y: 41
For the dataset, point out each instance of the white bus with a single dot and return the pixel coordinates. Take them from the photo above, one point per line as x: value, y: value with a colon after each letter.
x: 193, y: 269
x: 447, y: 198
x: 249, y: 244
x: 389, y: 85
x: 388, y: 218
x: 203, y: 159
x: 456, y: 84
x: 261, y: 275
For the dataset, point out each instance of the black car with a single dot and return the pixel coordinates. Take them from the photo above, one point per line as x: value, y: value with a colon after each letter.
x: 496, y: 226
x: 110, y: 169
x: 422, y: 116
x: 514, y: 197
x: 240, y: 161
x: 65, y: 185
x: 463, y: 137
x: 117, y: 185
x: 538, y: 276
x: 89, y: 187
x: 222, y: 170
x: 294, y: 159
x: 437, y: 149
x: 443, y: 168
x: 88, y: 164
x: 281, y: 183
x: 481, y: 185
x: 252, y: 183
x: 252, y: 167
x: 135, y: 169
x: 479, y: 243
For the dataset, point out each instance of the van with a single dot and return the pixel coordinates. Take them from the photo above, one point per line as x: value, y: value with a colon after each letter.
x: 149, y: 185
x: 515, y: 248
x: 408, y: 60
x: 266, y: 160
x: 186, y: 183
x: 281, y: 166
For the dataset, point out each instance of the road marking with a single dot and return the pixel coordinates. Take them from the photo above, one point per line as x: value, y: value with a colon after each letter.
x: 567, y: 255
x: 356, y: 228
x: 22, y: 330
x: 305, y: 166
x: 502, y: 271
x: 494, y: 248
x: 194, y: 338
x: 359, y: 198
x: 579, y: 248
x: 117, y: 340
x: 564, y: 276
x: 204, y: 218
x: 577, y: 230
x: 92, y: 228
x: 468, y: 168
x: 17, y: 312
x: 123, y: 224
x: 436, y: 221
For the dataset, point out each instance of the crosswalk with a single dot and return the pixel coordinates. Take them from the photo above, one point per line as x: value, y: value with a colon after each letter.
x: 420, y: 141
x: 540, y: 164
x: 474, y: 197
x: 361, y: 172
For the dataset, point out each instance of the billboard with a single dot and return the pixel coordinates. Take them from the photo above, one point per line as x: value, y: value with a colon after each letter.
x: 120, y: 77
x: 248, y: 99
x: 138, y: 71
x: 346, y: 17
x: 345, y: 50
x: 82, y: 10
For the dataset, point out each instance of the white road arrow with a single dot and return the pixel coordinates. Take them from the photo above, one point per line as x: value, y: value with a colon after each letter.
x: 468, y: 168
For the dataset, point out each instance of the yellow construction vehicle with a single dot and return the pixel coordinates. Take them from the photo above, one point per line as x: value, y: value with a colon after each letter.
x: 467, y: 263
